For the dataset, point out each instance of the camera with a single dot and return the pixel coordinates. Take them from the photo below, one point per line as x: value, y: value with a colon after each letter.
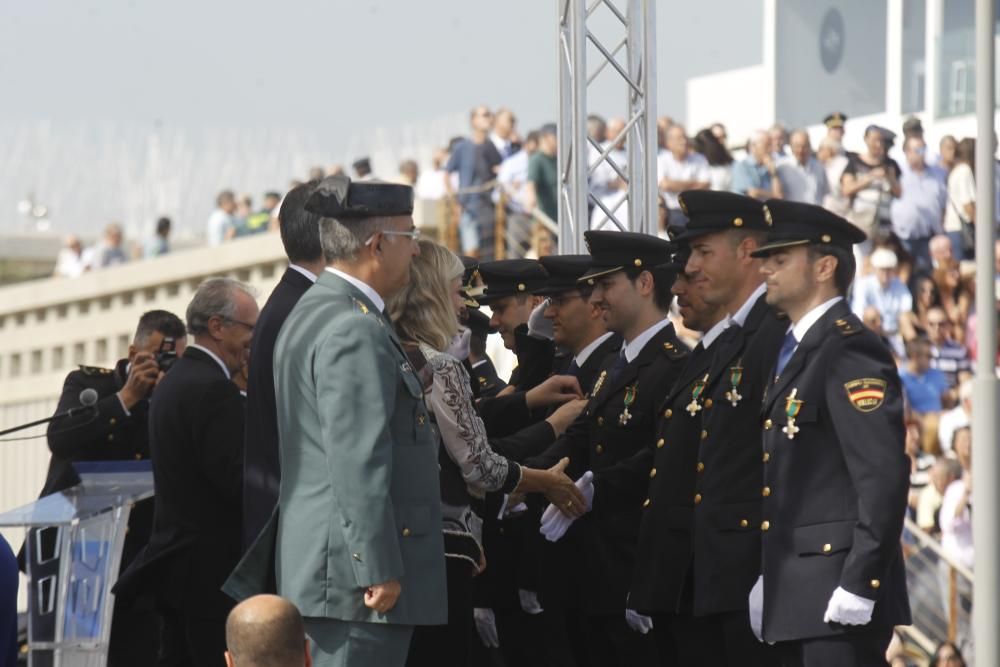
x: 167, y: 354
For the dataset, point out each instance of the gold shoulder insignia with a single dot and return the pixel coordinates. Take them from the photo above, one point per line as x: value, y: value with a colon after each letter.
x: 362, y: 307
x: 866, y: 394
x: 95, y: 370
x: 675, y: 351
x: 847, y: 328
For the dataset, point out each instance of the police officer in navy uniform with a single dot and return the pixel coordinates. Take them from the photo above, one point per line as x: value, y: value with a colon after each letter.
x: 725, y: 480
x: 118, y: 430
x: 486, y: 382
x: 661, y: 585
x: 832, y: 582
x: 613, y: 439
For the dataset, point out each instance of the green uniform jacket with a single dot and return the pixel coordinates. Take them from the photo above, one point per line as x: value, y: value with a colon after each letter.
x: 360, y: 500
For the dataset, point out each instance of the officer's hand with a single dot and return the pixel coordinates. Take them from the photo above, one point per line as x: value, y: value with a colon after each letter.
x: 566, y: 415
x: 482, y: 564
x: 557, y: 390
x: 382, y: 597
x: 563, y: 492
x: 142, y: 377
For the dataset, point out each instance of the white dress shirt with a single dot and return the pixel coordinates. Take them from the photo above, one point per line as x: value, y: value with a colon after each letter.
x: 632, y: 349
x: 740, y: 316
x: 304, y: 271
x: 802, y: 327
x: 219, y: 361
x: 584, y: 354
x: 365, y: 288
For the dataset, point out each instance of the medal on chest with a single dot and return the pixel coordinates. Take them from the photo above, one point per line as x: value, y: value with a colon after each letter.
x: 792, y: 408
x: 625, y: 416
x: 735, y: 378
x: 699, y: 388
x: 599, y: 383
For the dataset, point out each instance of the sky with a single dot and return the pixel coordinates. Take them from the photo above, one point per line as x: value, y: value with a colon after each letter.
x: 323, y: 75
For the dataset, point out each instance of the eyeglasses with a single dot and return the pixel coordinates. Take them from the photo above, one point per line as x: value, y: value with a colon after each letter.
x: 414, y: 234
x: 250, y: 327
x: 561, y: 300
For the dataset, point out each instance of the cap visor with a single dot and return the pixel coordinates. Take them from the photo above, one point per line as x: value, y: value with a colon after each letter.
x: 598, y: 272
x: 768, y: 248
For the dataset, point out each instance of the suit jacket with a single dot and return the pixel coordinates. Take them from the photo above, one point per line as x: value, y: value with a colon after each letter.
x: 196, y: 421
x: 835, y: 494
x: 261, y: 472
x: 727, y: 490
x: 663, y: 557
x: 360, y: 499
x: 614, y: 439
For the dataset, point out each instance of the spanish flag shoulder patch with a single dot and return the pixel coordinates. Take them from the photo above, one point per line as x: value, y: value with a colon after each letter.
x: 866, y: 394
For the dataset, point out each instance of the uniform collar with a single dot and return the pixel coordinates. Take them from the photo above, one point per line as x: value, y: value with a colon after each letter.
x: 585, y: 353
x: 633, y: 349
x: 365, y: 288
x: 712, y: 334
x: 801, y: 328
x: 740, y: 316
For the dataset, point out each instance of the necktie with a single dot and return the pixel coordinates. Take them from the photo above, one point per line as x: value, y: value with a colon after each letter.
x: 574, y: 369
x: 787, y: 348
x: 620, y: 363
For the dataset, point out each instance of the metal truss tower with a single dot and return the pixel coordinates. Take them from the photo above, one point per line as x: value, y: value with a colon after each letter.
x: 579, y: 156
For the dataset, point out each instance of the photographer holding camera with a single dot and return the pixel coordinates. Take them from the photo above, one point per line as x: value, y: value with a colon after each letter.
x: 114, y: 429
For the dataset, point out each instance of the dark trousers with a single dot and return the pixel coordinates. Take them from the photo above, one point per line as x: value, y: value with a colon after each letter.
x: 856, y: 649
x: 447, y: 645
x: 187, y: 640
x: 719, y: 640
x: 612, y: 643
x: 135, y: 629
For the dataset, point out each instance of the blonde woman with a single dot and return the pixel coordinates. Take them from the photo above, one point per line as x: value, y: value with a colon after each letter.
x: 425, y: 315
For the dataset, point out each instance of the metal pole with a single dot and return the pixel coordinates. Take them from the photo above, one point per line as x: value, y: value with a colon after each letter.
x: 572, y: 127
x: 986, y: 456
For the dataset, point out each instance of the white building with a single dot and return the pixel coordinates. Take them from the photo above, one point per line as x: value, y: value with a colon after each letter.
x: 877, y: 62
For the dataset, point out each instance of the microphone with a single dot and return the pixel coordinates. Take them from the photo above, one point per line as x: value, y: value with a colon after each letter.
x: 88, y: 405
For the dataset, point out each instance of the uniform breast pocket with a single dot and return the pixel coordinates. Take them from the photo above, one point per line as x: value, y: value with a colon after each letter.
x: 823, y: 539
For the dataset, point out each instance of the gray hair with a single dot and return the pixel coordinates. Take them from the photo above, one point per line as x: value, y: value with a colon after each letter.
x: 215, y: 297
x: 342, y: 242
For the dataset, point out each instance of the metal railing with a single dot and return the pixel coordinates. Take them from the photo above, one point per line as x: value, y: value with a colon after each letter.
x: 940, y: 592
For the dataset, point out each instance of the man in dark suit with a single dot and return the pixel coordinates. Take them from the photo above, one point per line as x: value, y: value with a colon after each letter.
x: 723, y: 231
x: 613, y: 438
x: 117, y: 430
x: 196, y: 442
x: 836, y: 477
x: 261, y: 474
x: 663, y: 556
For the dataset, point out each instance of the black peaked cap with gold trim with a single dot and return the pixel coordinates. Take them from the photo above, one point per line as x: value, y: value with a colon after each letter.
x: 835, y: 119
x: 710, y: 211
x: 471, y: 287
x: 615, y: 251
x: 683, y: 250
x: 479, y: 324
x: 510, y: 277
x: 797, y: 224
x: 337, y: 197
x: 564, y: 272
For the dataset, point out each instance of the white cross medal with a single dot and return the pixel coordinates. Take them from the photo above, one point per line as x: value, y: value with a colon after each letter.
x: 735, y: 378
x: 625, y: 416
x: 792, y: 408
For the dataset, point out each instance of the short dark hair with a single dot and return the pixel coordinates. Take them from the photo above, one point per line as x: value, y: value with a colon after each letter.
x: 163, y: 226
x: 843, y: 275
x: 161, y: 321
x: 299, y: 227
x: 663, y: 280
x: 706, y: 143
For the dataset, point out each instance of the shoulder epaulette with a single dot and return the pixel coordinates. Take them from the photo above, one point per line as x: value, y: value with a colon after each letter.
x: 675, y: 350
x: 848, y: 327
x: 95, y: 370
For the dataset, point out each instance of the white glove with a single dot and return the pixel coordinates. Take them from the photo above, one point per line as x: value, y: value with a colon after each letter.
x: 540, y: 326
x: 638, y: 622
x: 529, y: 602
x: 554, y: 522
x: 756, y: 609
x: 486, y: 626
x: 459, y: 346
x: 848, y: 609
